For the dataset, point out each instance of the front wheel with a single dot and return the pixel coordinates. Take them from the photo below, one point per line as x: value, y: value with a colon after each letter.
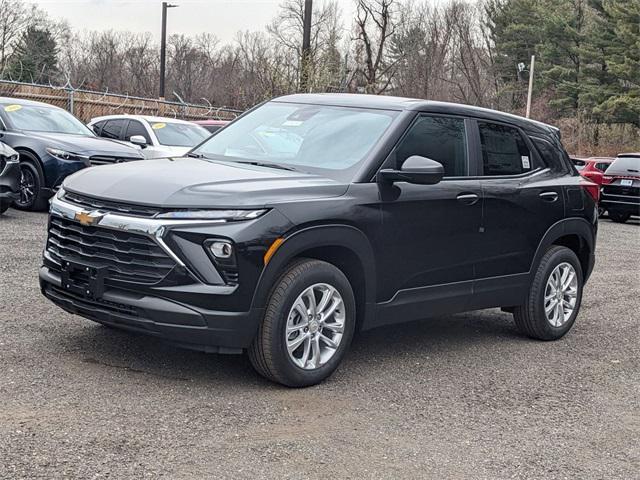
x: 554, y: 296
x: 4, y: 205
x: 307, y: 327
x: 31, y: 182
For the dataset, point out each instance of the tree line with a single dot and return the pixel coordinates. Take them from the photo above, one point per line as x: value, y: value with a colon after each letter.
x: 587, y: 75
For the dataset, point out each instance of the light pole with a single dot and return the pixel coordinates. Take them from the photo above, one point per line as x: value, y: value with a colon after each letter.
x: 163, y: 46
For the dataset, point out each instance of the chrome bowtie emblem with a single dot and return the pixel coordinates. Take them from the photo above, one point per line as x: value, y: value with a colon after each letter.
x: 88, y: 218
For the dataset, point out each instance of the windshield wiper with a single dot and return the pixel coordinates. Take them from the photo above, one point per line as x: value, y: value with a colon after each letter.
x: 267, y: 165
x: 195, y: 155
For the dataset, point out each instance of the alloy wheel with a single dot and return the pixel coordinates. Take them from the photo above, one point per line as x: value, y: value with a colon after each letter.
x: 561, y: 294
x: 27, y: 187
x: 315, y: 326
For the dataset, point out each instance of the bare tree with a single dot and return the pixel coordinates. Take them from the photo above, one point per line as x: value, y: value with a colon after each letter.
x: 374, y: 27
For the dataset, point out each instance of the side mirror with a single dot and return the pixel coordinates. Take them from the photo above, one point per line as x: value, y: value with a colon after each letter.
x: 415, y: 169
x: 138, y: 140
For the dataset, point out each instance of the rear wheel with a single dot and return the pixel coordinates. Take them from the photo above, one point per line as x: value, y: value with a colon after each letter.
x: 307, y: 327
x: 31, y: 192
x: 619, y: 217
x: 554, y: 296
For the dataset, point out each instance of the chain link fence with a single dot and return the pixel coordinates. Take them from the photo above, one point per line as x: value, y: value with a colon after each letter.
x: 86, y: 104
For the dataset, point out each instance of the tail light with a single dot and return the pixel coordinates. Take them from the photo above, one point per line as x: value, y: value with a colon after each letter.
x: 592, y: 188
x: 607, y: 179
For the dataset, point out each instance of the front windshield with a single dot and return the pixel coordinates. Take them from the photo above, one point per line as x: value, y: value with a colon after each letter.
x: 304, y: 137
x: 37, y: 118
x: 174, y: 134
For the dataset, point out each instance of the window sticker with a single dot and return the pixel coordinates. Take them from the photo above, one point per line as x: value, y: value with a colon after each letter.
x: 525, y: 162
x: 158, y: 126
x: 12, y: 108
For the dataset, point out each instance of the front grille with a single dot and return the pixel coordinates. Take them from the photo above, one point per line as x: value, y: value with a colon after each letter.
x: 91, y: 203
x: 108, y: 159
x: 128, y: 256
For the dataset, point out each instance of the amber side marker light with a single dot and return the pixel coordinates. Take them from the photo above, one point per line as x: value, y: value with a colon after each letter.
x: 272, y: 249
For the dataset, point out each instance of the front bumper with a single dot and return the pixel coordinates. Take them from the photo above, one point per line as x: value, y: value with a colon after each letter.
x: 186, y: 305
x: 10, y: 182
x: 183, y: 325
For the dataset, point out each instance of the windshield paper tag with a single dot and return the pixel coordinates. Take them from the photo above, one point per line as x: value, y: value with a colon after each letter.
x: 12, y: 108
x: 158, y: 126
x: 525, y: 162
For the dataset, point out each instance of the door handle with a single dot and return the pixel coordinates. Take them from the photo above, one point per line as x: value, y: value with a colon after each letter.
x: 549, y: 196
x: 468, y: 198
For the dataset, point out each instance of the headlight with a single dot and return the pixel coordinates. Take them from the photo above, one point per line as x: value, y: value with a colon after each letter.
x: 63, y: 155
x: 12, y: 158
x: 226, y: 215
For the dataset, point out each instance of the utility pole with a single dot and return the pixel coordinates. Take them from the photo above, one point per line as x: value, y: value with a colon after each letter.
x: 306, y: 45
x: 163, y: 46
x: 533, y: 61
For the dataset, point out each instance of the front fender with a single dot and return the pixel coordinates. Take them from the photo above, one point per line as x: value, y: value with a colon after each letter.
x: 318, y: 236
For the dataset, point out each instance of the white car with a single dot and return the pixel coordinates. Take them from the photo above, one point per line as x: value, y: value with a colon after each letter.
x: 158, y: 137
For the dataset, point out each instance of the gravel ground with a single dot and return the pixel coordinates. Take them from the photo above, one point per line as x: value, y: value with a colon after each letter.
x: 453, y: 397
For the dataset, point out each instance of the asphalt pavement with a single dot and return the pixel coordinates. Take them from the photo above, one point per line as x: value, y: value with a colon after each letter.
x: 463, y: 396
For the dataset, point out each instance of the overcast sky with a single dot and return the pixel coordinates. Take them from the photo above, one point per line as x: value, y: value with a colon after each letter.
x: 224, y: 18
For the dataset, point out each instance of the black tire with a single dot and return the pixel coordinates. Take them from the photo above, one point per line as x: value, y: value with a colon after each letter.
x: 4, y: 206
x: 268, y: 352
x: 619, y: 217
x: 32, y: 196
x: 530, y: 318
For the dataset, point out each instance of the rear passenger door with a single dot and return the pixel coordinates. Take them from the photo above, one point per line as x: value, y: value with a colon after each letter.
x: 522, y: 200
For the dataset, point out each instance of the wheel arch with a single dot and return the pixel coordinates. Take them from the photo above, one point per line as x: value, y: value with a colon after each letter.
x: 577, y: 234
x: 343, y: 246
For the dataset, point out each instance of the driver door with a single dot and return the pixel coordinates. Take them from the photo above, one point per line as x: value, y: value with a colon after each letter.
x: 427, y: 250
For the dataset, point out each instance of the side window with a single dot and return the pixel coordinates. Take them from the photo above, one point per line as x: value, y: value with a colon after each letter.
x: 97, y: 127
x: 112, y: 129
x: 602, y: 166
x: 504, y: 151
x: 442, y: 139
x: 136, y: 128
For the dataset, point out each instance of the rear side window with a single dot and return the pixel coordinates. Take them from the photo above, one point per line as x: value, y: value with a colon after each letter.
x: 442, y: 139
x: 112, y: 129
x: 602, y: 166
x: 504, y: 151
x: 137, y: 128
x: 97, y: 127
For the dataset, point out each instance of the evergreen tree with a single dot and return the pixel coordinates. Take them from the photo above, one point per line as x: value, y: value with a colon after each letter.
x: 35, y: 57
x: 622, y: 54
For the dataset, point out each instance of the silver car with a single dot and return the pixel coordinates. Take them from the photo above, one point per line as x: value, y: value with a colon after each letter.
x: 158, y: 137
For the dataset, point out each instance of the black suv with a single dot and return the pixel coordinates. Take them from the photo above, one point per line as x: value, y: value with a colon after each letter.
x: 621, y: 187
x: 313, y: 217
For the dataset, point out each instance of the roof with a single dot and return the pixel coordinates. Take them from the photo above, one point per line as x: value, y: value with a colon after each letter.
x: 211, y: 122
x: 24, y: 102
x: 148, y: 118
x: 385, y: 102
x: 631, y: 154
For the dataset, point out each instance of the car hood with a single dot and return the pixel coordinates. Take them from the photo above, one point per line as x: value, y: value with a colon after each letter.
x: 200, y: 183
x: 85, y: 144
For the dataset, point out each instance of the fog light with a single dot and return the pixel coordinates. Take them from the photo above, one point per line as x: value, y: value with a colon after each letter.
x: 221, y: 249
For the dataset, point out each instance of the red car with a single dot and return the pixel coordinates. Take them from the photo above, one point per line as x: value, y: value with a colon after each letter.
x: 212, y: 125
x: 592, y: 168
